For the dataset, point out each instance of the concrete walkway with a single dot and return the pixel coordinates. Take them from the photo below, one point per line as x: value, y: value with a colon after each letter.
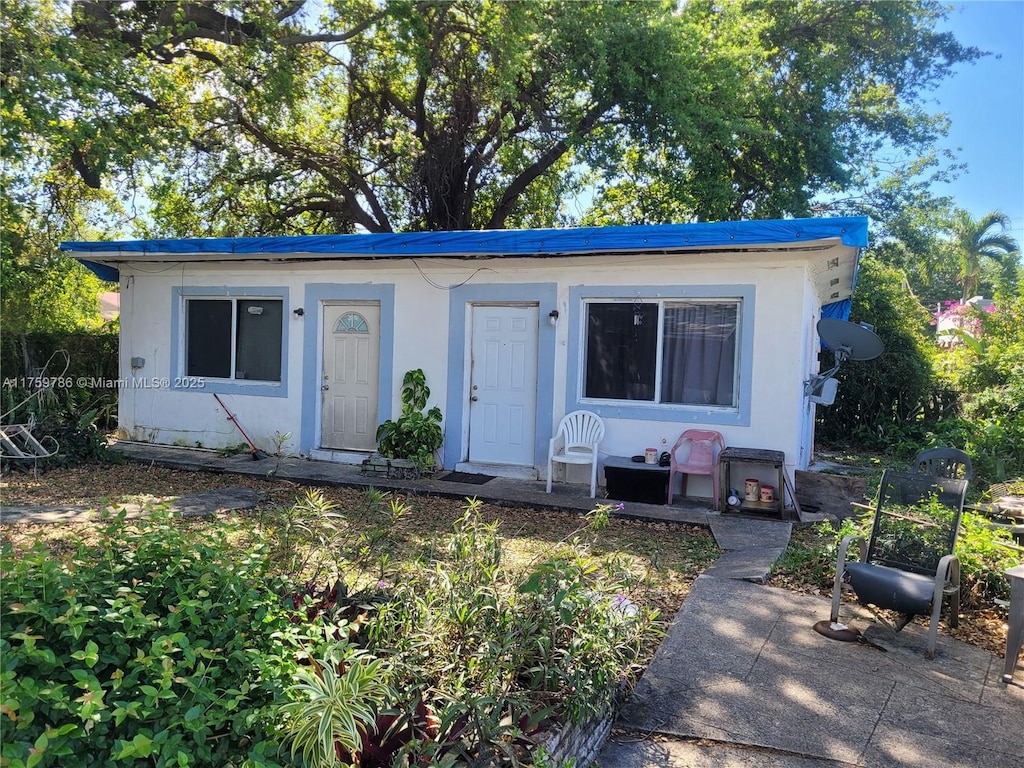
x: 186, y: 505
x: 741, y: 678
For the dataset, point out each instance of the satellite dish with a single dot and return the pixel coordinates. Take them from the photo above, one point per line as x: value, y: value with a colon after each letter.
x: 849, y: 341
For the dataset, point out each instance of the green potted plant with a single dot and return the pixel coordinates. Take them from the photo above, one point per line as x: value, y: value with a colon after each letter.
x: 416, y: 435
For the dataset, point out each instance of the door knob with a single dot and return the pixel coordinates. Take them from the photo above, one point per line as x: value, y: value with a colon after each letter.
x: 325, y: 387
x: 474, y: 398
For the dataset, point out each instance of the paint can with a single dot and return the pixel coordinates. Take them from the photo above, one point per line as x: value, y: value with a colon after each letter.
x: 751, y: 489
x: 651, y: 455
x: 767, y: 493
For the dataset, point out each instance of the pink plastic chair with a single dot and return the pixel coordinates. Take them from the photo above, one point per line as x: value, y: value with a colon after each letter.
x: 706, y: 446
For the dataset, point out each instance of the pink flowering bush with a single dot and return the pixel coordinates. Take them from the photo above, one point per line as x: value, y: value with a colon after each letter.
x: 957, y: 319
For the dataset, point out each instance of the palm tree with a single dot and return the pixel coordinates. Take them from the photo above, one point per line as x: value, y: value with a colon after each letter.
x: 978, y: 241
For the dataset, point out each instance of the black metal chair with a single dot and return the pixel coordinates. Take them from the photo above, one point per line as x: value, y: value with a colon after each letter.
x: 943, y: 462
x: 908, y: 564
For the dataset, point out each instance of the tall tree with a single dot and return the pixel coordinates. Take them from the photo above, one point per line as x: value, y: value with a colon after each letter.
x: 292, y: 116
x: 982, y: 244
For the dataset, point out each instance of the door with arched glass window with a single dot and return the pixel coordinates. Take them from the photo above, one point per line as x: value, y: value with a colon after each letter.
x: 350, y: 376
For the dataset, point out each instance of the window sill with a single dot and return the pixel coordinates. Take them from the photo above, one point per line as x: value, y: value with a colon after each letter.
x: 239, y: 387
x: 662, y: 412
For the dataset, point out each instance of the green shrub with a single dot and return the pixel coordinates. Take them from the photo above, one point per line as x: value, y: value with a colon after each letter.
x: 498, y: 648
x: 167, y: 646
x: 880, y: 401
x: 985, y: 553
x: 987, y: 373
x: 416, y: 435
x: 79, y: 365
x: 153, y: 645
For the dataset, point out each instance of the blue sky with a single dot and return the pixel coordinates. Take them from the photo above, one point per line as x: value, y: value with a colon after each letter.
x: 985, y: 103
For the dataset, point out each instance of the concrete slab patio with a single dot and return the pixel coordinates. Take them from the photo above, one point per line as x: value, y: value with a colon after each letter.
x: 743, y: 670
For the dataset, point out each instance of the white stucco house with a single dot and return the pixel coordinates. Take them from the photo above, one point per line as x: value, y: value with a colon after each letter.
x: 655, y: 328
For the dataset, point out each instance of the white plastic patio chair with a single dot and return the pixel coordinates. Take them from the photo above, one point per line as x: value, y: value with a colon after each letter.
x: 575, y: 442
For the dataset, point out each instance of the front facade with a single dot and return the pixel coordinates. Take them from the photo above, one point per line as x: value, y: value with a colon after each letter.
x: 655, y: 328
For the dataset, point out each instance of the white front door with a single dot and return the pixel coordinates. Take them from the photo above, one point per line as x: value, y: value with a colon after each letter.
x: 503, y: 385
x: 349, y: 377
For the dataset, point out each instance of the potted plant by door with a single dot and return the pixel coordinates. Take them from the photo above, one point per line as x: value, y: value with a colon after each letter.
x: 416, y: 435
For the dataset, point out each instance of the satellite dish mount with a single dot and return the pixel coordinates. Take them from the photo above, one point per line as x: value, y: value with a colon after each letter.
x: 848, y: 341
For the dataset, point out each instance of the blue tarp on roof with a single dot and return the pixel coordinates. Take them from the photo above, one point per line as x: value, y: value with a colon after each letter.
x: 852, y: 231
x: 837, y: 309
x: 102, y: 271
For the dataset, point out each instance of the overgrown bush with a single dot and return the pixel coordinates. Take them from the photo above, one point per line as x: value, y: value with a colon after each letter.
x: 881, y: 402
x: 79, y: 365
x: 163, y: 644
x: 969, y: 395
x: 63, y: 384
x: 491, y: 651
x: 987, y: 370
x: 151, y: 645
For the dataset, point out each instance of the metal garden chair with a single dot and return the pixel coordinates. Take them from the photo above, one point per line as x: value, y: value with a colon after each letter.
x: 908, y: 564
x: 943, y: 462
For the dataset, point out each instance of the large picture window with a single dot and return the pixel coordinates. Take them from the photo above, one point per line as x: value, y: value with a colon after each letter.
x: 234, y: 338
x: 677, y: 352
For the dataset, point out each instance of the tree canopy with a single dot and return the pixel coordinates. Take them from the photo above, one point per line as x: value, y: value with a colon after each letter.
x: 292, y: 116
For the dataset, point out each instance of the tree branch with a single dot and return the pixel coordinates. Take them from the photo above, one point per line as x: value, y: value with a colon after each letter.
x: 540, y: 166
x: 307, y: 162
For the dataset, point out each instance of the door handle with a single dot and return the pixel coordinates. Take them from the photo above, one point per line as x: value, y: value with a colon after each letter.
x: 474, y: 398
x: 324, y: 387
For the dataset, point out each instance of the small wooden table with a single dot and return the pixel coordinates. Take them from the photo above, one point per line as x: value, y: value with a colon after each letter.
x: 1015, y: 635
x: 758, y: 456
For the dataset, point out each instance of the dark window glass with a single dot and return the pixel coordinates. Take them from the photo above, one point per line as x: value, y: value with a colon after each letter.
x: 255, y: 336
x: 209, y: 339
x: 622, y: 347
x: 258, y: 346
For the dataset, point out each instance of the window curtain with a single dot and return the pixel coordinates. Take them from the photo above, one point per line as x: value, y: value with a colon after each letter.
x: 699, y: 354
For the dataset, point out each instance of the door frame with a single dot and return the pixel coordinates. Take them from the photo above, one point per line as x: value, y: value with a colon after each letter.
x: 462, y: 299
x: 316, y: 295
